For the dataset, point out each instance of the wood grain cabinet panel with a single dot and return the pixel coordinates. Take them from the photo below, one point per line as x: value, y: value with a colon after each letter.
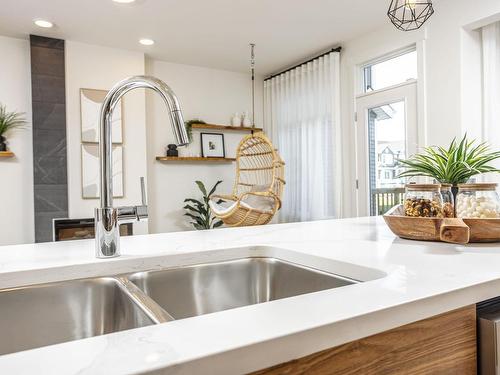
x: 442, y: 345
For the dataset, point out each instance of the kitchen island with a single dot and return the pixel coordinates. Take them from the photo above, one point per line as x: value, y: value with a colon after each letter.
x: 402, y: 282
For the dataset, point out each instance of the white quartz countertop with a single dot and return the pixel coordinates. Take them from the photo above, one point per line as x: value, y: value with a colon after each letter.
x: 406, y: 281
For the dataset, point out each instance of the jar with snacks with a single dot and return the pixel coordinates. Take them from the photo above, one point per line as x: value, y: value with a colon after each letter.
x: 423, y: 200
x: 448, y: 200
x: 479, y: 201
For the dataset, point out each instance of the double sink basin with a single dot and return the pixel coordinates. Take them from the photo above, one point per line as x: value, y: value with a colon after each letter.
x: 47, y: 314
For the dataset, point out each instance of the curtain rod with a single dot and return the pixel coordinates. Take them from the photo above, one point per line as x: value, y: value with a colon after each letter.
x: 337, y: 49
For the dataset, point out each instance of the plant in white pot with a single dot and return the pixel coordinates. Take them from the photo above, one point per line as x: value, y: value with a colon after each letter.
x: 8, y: 122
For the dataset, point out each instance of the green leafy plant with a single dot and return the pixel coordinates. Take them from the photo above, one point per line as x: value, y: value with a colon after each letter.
x: 189, y: 127
x: 10, y: 120
x: 454, y: 165
x: 199, y: 210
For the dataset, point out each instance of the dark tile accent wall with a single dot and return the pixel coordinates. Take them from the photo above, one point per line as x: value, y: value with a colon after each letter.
x: 49, y: 134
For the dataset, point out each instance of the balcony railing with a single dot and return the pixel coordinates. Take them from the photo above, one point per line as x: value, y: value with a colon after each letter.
x: 382, y: 200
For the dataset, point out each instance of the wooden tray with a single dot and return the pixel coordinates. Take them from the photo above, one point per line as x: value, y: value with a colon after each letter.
x: 460, y: 231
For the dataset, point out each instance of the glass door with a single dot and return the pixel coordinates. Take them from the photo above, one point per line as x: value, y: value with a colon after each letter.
x: 386, y: 132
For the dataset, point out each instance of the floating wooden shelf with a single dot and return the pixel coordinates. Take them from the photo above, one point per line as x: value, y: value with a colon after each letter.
x: 194, y: 159
x: 6, y: 154
x: 225, y: 127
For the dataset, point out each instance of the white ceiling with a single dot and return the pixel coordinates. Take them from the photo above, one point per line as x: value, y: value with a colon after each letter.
x: 212, y: 33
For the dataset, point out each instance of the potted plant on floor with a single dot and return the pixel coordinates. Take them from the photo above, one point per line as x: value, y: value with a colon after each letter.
x: 9, y: 121
x: 453, y: 165
x: 199, y: 210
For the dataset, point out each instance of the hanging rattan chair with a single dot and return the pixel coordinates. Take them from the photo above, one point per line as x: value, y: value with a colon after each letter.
x: 258, y: 188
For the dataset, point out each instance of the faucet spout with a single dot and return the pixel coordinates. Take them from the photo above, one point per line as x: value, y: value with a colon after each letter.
x: 105, y: 141
x: 107, y: 218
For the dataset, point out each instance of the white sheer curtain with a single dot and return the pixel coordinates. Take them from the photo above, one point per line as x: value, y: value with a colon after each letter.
x: 303, y: 120
x: 491, y: 86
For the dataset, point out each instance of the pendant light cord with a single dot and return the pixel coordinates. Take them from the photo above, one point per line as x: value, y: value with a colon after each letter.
x: 252, y: 65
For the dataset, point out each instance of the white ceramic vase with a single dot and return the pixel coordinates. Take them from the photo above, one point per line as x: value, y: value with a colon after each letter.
x: 246, y: 120
x: 236, y: 120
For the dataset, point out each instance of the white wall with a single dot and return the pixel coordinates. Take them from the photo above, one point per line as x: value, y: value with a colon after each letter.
x: 16, y: 174
x: 448, y: 53
x: 449, y: 90
x: 208, y: 94
x: 212, y: 95
x: 89, y: 66
x: 448, y: 105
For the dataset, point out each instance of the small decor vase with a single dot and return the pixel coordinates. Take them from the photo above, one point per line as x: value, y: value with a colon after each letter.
x: 172, y: 150
x: 245, y: 120
x: 236, y: 120
x: 3, y: 145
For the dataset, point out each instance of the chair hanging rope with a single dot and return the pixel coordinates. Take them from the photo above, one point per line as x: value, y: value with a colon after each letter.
x: 252, y: 67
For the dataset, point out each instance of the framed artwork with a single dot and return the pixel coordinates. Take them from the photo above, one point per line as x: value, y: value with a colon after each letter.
x: 212, y: 145
x: 90, y: 107
x: 90, y: 171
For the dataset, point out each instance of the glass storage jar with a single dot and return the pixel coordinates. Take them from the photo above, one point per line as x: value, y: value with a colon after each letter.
x: 448, y: 200
x: 479, y: 201
x: 423, y: 200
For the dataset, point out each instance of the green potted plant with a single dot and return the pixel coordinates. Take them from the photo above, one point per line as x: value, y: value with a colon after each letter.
x: 453, y: 165
x: 9, y: 121
x: 199, y: 210
x: 189, y: 127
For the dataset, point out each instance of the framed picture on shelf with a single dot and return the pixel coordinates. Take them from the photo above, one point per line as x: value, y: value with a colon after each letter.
x: 212, y: 145
x: 90, y: 108
x: 90, y: 171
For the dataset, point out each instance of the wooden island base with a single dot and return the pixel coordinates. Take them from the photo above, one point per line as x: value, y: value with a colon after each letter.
x: 444, y: 344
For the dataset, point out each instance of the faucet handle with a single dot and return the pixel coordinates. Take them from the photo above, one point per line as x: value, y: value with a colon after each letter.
x: 132, y: 214
x: 126, y: 214
x: 143, y: 192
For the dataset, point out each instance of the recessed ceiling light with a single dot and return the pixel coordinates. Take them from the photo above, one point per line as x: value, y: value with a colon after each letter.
x: 147, y: 42
x: 124, y: 1
x: 43, y: 23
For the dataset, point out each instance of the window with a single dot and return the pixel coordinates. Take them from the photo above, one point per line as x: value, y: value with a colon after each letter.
x: 387, y: 132
x: 386, y: 123
x: 386, y: 143
x: 390, y: 71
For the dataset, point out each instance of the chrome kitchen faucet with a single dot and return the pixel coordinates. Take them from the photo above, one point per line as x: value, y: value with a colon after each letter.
x: 108, y: 218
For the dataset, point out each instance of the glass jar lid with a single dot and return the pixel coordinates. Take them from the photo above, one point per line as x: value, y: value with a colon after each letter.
x: 423, y: 187
x: 482, y: 186
x: 446, y: 186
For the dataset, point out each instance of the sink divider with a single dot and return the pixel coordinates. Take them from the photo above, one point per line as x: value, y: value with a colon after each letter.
x: 154, y: 311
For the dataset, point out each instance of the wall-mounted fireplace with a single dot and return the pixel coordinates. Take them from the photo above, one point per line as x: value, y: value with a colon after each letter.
x: 80, y: 229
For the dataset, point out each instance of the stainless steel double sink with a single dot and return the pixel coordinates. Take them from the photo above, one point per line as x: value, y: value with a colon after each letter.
x: 46, y: 314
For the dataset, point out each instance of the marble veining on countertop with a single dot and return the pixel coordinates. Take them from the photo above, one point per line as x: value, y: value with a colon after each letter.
x: 406, y: 281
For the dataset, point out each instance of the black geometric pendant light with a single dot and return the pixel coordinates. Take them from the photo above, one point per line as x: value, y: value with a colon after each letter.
x: 409, y: 15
